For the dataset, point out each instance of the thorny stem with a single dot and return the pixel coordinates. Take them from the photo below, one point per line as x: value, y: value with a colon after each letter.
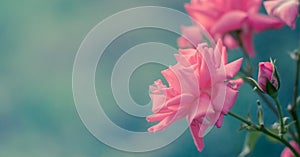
x: 282, y: 129
x: 293, y: 110
x: 266, y: 132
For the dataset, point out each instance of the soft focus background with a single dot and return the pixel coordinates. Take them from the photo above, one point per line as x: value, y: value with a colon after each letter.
x: 38, y: 43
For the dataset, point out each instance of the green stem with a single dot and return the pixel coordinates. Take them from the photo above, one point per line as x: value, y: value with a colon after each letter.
x: 249, y: 66
x: 282, y: 140
x: 269, y: 104
x: 293, y: 111
x: 266, y: 132
x: 249, y: 123
x: 282, y: 129
x: 296, y: 84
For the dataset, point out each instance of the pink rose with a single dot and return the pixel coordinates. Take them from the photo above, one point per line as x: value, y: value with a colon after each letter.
x: 266, y: 74
x: 191, y: 36
x: 199, y: 89
x: 286, y: 10
x: 287, y: 152
x: 222, y: 18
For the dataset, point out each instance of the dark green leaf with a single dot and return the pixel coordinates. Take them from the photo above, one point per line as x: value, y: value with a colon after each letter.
x: 276, y: 74
x: 271, y: 90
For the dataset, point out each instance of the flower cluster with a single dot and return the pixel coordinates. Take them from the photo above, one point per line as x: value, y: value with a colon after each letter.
x: 203, y: 86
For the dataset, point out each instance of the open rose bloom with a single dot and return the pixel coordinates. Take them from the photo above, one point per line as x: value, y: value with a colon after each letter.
x: 231, y: 19
x: 191, y: 36
x: 286, y: 10
x: 200, y: 90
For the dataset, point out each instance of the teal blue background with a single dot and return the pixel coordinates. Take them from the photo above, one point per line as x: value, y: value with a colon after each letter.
x: 38, y: 43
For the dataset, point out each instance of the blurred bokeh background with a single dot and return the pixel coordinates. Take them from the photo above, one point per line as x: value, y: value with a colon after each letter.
x: 38, y: 43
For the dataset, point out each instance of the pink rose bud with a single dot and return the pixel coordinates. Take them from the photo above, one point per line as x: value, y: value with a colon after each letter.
x: 268, y: 80
x: 286, y: 10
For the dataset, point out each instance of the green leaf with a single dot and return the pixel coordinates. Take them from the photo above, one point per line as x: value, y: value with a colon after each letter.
x: 274, y: 130
x: 253, y: 83
x: 271, y: 90
x: 250, y: 141
x: 275, y: 73
x: 289, y: 124
x: 277, y: 76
